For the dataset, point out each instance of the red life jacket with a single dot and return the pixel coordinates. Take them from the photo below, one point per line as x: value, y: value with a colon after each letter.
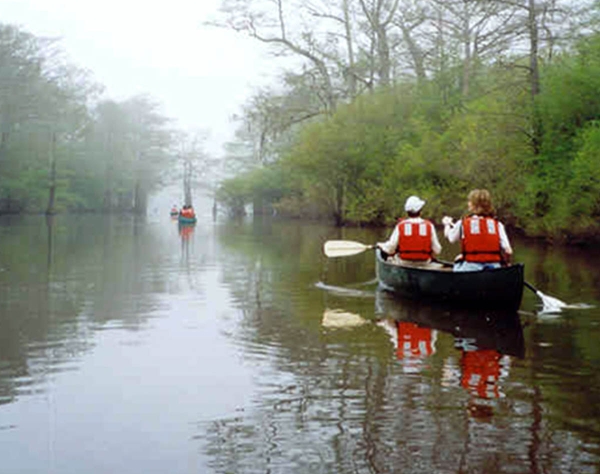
x: 414, y: 341
x: 481, y: 239
x: 481, y: 372
x: 414, y: 240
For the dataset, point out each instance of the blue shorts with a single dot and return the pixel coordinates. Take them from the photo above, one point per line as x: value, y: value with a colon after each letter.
x: 465, y: 266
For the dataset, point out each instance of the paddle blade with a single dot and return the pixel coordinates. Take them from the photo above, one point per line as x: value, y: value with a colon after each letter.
x: 551, y: 304
x: 344, y: 248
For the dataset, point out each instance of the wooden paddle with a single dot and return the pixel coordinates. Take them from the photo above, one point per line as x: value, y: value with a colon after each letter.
x: 344, y: 248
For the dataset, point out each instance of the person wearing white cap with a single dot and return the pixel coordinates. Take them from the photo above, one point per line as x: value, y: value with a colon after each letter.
x: 414, y: 239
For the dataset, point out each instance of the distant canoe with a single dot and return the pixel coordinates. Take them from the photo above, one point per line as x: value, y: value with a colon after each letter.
x: 500, y: 288
x: 187, y: 220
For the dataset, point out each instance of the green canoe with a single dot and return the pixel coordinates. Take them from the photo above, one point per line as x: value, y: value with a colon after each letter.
x: 500, y: 288
x: 187, y: 220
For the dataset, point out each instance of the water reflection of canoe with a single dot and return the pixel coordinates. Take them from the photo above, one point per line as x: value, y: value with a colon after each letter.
x: 187, y: 220
x: 500, y: 288
x: 500, y: 330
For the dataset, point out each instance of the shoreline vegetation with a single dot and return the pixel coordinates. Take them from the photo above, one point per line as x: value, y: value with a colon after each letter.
x: 510, y: 105
x: 348, y: 134
x: 67, y: 148
x: 358, y: 165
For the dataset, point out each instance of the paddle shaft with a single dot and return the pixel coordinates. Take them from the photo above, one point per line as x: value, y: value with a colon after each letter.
x: 532, y: 288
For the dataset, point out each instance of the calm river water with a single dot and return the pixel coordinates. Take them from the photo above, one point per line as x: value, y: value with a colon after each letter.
x: 133, y: 346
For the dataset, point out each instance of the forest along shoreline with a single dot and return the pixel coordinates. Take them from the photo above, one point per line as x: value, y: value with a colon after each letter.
x: 503, y: 109
x: 348, y: 134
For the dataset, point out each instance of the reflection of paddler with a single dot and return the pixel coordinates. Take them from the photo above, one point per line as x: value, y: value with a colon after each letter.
x: 185, y: 231
x: 481, y: 370
x: 414, y: 341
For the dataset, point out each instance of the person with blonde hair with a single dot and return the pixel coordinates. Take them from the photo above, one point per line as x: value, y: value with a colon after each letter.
x: 483, y: 237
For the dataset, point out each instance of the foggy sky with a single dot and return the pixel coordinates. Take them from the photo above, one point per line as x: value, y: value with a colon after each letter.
x: 201, y: 75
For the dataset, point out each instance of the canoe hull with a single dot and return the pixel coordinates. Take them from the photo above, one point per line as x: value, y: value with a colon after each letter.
x: 187, y: 220
x: 500, y: 329
x: 500, y: 288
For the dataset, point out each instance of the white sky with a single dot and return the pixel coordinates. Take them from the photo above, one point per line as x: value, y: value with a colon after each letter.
x: 201, y: 75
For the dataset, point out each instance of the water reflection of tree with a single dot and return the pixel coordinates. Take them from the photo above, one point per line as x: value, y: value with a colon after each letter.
x: 61, y: 278
x: 563, y: 372
x: 30, y: 301
x: 339, y: 402
x: 567, y: 272
x: 564, y: 354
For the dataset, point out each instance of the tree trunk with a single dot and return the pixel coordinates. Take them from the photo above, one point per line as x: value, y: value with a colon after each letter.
x: 466, y: 75
x: 3, y: 144
x: 52, y: 178
x: 108, y: 175
x: 534, y: 76
x: 379, y: 27
x: 533, y: 50
x: 440, y: 47
x: 187, y: 183
x: 258, y: 206
x: 416, y: 54
x: 140, y: 199
x: 351, y: 80
x: 383, y: 60
x: 339, y: 212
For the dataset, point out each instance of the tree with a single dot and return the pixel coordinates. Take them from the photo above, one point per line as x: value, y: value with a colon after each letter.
x: 379, y: 14
x: 43, y: 110
x: 150, y: 141
x: 198, y: 169
x: 132, y: 141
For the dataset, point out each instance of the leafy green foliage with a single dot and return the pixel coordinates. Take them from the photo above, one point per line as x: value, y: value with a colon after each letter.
x: 361, y: 163
x: 57, y: 153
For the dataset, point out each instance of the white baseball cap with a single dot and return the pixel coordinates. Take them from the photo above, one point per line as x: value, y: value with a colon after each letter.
x: 414, y: 204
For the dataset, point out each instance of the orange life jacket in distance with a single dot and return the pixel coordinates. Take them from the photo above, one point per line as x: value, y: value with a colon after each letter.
x: 481, y: 239
x: 414, y: 240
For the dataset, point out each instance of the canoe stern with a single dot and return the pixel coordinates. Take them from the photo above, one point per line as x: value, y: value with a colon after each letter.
x: 495, y: 288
